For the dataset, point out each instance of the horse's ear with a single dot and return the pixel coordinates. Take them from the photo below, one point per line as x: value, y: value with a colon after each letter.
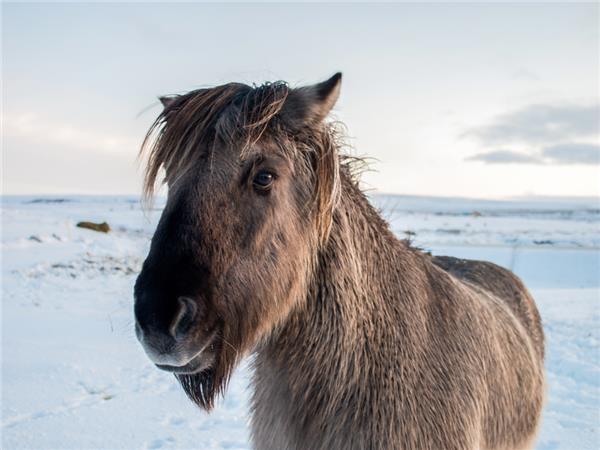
x: 168, y: 101
x: 311, y: 104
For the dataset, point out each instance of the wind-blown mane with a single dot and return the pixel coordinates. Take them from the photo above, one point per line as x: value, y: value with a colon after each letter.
x: 233, y: 112
x: 240, y: 115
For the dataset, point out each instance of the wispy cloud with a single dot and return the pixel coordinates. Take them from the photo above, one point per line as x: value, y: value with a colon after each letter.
x: 565, y: 154
x: 546, y: 134
x: 504, y: 157
x: 573, y: 153
x: 34, y: 128
x: 540, y: 124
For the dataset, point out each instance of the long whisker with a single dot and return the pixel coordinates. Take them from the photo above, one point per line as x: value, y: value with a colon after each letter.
x: 231, y: 345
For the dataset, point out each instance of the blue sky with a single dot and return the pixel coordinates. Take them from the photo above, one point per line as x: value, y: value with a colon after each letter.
x: 478, y: 100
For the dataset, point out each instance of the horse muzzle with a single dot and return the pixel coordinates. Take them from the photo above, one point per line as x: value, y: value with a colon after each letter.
x: 178, y: 347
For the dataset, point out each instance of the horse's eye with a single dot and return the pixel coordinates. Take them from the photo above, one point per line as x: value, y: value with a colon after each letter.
x: 263, y: 180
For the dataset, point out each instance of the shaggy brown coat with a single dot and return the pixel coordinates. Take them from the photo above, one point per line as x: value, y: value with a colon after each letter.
x: 360, y: 340
x: 397, y: 349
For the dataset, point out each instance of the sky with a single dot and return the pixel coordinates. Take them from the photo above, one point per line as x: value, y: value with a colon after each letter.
x: 467, y: 99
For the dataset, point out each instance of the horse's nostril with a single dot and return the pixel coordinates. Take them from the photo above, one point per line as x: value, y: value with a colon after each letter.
x: 184, y: 318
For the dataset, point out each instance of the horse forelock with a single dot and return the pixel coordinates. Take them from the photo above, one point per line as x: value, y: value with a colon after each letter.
x: 236, y: 113
x: 240, y: 115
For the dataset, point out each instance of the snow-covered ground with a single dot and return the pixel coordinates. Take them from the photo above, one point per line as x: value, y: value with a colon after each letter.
x: 73, y: 375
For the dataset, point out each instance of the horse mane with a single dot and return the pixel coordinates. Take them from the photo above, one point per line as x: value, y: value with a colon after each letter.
x: 234, y: 112
x: 240, y: 115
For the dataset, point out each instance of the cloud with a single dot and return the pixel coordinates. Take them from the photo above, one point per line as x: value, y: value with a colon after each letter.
x: 573, y: 153
x: 540, y: 124
x: 30, y: 127
x: 504, y: 157
x: 561, y: 154
x: 553, y: 134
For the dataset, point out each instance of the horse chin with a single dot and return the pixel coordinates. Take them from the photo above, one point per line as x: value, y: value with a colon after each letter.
x: 203, y: 385
x: 200, y: 387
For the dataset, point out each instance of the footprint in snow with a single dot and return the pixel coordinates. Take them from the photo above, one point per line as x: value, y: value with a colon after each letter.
x: 160, y: 443
x: 174, y: 421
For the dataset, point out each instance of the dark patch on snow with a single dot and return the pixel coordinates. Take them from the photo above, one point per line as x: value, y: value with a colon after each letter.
x: 454, y: 231
x: 89, y: 266
x: 543, y: 242
x: 50, y: 200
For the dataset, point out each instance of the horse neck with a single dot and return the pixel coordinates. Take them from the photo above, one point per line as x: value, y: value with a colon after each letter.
x: 340, y: 336
x: 364, y: 272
